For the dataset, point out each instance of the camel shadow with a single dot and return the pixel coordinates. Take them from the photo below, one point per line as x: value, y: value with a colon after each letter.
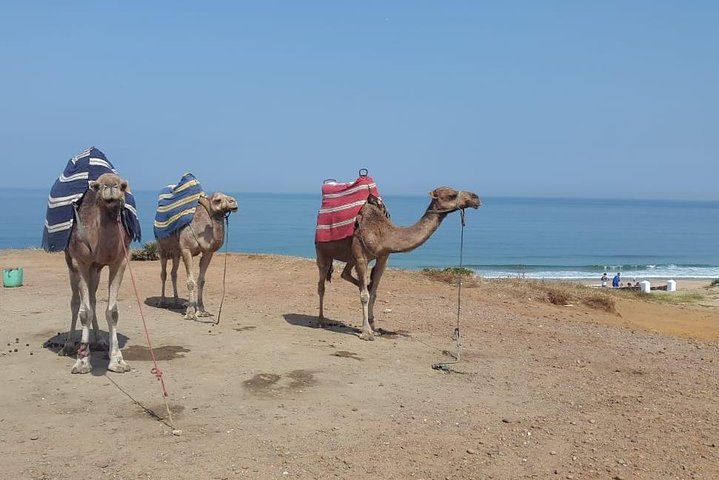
x: 170, y: 305
x: 99, y: 357
x: 179, y: 307
x: 311, y: 321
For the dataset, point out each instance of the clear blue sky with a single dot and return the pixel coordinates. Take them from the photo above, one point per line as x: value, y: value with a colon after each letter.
x: 553, y: 98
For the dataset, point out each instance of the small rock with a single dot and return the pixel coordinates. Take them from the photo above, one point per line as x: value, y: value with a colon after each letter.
x: 552, y: 452
x: 34, y: 437
x: 177, y: 432
x: 471, y: 451
x: 387, y: 310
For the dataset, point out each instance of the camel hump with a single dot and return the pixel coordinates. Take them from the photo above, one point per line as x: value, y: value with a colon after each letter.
x: 176, y: 206
x: 341, y: 202
x: 67, y: 193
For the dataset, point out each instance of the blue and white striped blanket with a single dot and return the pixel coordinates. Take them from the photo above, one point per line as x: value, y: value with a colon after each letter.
x: 176, y: 205
x: 68, y: 190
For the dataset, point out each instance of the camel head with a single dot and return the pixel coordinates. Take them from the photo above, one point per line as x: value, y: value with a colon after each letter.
x: 446, y: 200
x: 219, y: 204
x: 109, y: 189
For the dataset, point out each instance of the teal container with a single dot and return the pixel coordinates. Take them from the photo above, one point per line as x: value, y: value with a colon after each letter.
x: 12, y: 277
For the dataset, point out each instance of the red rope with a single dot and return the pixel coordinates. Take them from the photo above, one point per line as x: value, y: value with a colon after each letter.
x: 155, y: 370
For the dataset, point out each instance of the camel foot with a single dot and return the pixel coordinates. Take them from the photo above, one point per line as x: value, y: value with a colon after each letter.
x: 204, y: 313
x: 82, y: 365
x: 68, y: 349
x: 118, y: 366
x: 368, y: 336
x: 321, y: 322
x: 190, y: 314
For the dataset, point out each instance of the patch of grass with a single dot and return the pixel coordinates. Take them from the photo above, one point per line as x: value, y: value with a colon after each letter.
x: 451, y: 274
x: 600, y: 302
x: 556, y: 293
x: 676, y: 298
x: 715, y: 283
x: 147, y: 252
x: 660, y: 296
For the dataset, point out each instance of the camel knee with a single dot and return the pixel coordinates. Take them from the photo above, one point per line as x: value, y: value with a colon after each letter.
x: 190, y: 285
x: 112, y: 316
x: 364, y: 297
x: 321, y: 287
x: 163, y: 276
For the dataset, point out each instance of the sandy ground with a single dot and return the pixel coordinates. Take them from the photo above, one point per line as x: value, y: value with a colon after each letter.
x: 541, y: 391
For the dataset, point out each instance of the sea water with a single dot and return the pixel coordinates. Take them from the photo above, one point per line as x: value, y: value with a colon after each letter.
x: 526, y: 237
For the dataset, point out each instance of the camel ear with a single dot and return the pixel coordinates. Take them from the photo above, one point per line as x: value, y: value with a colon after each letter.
x: 94, y: 185
x: 433, y: 194
x: 124, y: 186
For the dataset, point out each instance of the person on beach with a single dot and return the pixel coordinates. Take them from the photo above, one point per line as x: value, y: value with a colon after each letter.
x: 605, y: 279
x: 616, y: 280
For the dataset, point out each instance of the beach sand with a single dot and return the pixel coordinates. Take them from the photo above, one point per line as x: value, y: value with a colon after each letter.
x: 541, y: 391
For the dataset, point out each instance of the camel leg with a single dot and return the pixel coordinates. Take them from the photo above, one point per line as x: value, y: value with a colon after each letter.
x: 173, y: 277
x: 375, y: 277
x: 204, y: 263
x: 69, y: 347
x: 163, y: 278
x: 324, y: 265
x: 99, y: 343
x: 82, y: 364
x: 190, y: 313
x: 117, y: 363
x: 361, y: 266
x: 347, y: 274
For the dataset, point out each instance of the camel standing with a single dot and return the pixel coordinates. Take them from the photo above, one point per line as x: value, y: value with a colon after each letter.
x: 375, y: 238
x: 97, y: 240
x: 205, y: 234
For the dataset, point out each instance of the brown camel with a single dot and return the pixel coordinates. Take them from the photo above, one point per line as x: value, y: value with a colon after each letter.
x: 204, y: 234
x: 375, y: 238
x: 97, y: 240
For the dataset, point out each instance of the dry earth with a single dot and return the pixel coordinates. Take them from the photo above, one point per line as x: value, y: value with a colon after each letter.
x: 541, y: 391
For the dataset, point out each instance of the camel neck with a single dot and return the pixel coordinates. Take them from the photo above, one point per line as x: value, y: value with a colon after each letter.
x: 404, y: 239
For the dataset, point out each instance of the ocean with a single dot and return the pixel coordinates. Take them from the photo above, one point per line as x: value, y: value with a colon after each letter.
x: 506, y: 237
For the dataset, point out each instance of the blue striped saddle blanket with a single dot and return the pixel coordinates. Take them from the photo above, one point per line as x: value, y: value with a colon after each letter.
x: 67, y: 192
x: 176, y: 206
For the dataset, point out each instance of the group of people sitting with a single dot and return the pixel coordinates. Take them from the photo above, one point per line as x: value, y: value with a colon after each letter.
x: 617, y: 281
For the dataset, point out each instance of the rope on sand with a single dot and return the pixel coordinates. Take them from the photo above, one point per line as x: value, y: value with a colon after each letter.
x: 155, y: 370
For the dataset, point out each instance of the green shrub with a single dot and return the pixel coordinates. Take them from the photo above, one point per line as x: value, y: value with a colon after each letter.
x: 715, y: 283
x: 450, y: 274
x: 147, y: 252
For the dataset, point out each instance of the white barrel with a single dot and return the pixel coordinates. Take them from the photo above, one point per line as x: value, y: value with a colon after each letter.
x: 671, y: 286
x: 645, y: 286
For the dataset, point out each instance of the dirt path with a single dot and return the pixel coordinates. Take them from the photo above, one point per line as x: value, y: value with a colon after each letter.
x: 545, y: 392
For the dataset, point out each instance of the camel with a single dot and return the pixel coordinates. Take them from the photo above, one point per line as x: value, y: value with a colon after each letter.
x: 204, y: 234
x: 375, y: 238
x: 98, y: 239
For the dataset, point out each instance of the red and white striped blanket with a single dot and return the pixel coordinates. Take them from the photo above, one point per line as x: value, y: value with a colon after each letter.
x: 341, y: 202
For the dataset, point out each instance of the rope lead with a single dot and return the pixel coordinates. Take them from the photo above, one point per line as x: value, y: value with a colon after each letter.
x: 456, y: 333
x: 224, y: 272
